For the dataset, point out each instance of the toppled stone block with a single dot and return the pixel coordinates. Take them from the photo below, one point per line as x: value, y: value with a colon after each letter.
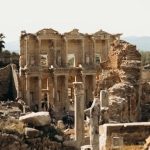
x: 36, y: 119
x: 31, y: 132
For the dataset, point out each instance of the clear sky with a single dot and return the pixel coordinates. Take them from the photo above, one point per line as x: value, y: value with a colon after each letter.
x: 130, y: 17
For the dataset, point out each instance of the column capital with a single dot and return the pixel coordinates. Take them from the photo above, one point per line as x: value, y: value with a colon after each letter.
x: 66, y: 39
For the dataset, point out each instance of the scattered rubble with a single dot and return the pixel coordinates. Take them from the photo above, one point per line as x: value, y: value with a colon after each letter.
x: 29, y: 131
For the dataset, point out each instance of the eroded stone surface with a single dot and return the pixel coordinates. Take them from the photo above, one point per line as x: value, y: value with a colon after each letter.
x: 36, y: 119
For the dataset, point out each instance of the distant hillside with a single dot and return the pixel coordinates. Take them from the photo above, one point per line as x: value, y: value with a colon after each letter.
x: 142, y: 43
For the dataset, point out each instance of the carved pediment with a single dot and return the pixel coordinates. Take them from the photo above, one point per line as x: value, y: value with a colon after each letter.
x: 47, y: 32
x: 101, y: 33
x: 74, y: 34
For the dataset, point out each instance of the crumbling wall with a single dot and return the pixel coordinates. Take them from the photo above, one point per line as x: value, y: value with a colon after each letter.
x: 7, y: 84
x: 5, y: 76
x: 124, y: 135
x: 121, y: 76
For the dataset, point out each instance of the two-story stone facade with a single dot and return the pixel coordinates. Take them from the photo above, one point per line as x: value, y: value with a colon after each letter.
x: 50, y: 62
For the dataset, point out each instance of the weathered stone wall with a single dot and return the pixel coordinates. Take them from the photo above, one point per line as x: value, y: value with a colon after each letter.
x: 7, y: 84
x: 113, y: 135
x: 5, y: 81
x: 122, y: 79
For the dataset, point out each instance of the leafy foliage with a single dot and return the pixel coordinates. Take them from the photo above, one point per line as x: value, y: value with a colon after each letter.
x: 2, y: 42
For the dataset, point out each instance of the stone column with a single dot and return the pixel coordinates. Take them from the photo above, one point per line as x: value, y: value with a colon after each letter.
x: 108, y: 47
x: 94, y: 44
x: 83, y: 81
x: 27, y: 54
x: 94, y: 124
x: 79, y: 112
x: 94, y: 81
x: 104, y: 99
x: 66, y: 51
x: 83, y: 58
x: 48, y: 94
x: 55, y: 51
x: 50, y: 90
x: 39, y: 40
x: 28, y: 89
x: 104, y: 106
x: 66, y: 93
x: 55, y: 89
x: 40, y: 95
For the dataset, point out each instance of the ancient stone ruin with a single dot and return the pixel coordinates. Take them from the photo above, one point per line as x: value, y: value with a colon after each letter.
x: 73, y: 91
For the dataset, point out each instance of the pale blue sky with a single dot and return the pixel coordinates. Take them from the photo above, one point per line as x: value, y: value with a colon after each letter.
x: 130, y: 17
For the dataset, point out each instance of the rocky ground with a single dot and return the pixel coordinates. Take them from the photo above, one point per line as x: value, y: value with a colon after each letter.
x: 28, y: 131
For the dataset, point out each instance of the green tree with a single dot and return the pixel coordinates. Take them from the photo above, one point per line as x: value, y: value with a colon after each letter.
x: 2, y: 42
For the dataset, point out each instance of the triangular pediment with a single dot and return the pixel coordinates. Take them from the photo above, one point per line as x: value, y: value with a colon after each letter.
x: 47, y: 32
x: 74, y: 33
x: 100, y: 33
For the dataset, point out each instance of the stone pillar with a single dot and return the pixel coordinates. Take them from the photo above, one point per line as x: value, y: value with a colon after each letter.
x: 79, y: 112
x: 50, y: 90
x: 40, y: 95
x: 83, y: 81
x: 94, y: 124
x: 55, y: 51
x: 48, y: 95
x: 66, y: 51
x: 66, y: 93
x: 104, y: 106
x: 94, y: 82
x: 94, y: 53
x: 27, y: 54
x: 83, y: 58
x: 55, y: 89
x: 108, y: 47
x: 104, y: 99
x: 28, y: 90
x: 39, y: 40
